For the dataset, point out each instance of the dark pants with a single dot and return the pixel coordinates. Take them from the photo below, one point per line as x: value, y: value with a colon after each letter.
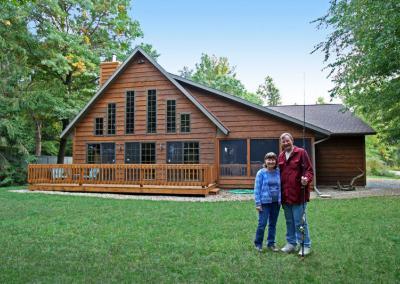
x: 269, y: 214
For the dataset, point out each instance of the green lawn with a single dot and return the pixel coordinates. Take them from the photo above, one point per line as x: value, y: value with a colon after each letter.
x: 52, y: 238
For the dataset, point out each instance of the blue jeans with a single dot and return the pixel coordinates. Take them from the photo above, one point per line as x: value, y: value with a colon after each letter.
x: 293, y: 214
x: 269, y: 214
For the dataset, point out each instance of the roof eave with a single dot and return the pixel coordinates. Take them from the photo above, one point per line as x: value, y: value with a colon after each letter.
x: 252, y: 105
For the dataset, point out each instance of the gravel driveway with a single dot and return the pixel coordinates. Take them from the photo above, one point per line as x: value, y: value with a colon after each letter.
x: 375, y: 187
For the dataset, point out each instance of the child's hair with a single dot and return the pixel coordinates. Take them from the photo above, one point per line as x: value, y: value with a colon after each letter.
x: 271, y: 155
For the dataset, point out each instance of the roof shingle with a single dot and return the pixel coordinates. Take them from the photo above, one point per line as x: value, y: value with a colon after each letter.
x: 332, y: 117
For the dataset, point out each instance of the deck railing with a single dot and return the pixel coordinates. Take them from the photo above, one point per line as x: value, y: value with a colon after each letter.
x: 133, y: 174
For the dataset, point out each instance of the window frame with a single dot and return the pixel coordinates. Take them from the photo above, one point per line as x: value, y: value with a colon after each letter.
x: 190, y: 122
x: 101, y: 152
x: 95, y: 126
x: 140, y: 151
x: 108, y: 119
x: 183, y: 152
x: 166, y: 117
x: 133, y: 112
x: 147, y: 111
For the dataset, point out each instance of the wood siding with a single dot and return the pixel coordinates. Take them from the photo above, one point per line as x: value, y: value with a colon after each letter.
x: 141, y: 78
x: 244, y: 123
x: 339, y: 159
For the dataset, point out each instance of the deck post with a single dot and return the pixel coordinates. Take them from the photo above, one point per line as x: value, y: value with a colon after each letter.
x: 82, y: 171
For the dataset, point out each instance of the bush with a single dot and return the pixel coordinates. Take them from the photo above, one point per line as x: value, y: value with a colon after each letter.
x: 377, y: 167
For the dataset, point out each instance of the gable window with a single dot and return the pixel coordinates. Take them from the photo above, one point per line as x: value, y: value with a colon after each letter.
x: 233, y: 157
x: 140, y: 153
x: 151, y: 111
x: 171, y: 116
x: 130, y: 112
x: 98, y: 126
x: 258, y: 149
x: 185, y: 122
x: 100, y: 153
x: 111, y: 119
x: 183, y: 152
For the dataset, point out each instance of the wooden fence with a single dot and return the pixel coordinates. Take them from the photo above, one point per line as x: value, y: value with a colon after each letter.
x: 130, y: 174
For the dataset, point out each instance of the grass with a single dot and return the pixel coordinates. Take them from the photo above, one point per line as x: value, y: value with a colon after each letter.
x: 52, y: 238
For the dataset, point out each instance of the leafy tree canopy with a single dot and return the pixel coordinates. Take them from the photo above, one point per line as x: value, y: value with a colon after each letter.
x: 269, y: 92
x: 320, y: 101
x: 217, y: 73
x: 362, y: 53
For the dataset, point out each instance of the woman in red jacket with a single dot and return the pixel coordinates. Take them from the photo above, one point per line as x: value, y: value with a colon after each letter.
x: 296, y: 171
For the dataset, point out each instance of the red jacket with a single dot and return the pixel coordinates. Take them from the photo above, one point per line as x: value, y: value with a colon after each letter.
x: 296, y: 166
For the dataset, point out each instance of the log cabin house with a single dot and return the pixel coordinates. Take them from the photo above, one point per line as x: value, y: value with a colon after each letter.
x: 150, y: 131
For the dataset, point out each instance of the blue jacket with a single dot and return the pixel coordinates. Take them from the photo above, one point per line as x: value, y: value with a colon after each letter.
x: 267, y: 187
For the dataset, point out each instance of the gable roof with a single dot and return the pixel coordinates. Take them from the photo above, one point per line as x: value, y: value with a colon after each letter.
x: 116, y: 74
x: 327, y: 119
x: 281, y: 115
x: 333, y: 117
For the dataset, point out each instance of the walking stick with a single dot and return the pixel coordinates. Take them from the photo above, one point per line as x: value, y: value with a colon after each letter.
x: 303, y: 187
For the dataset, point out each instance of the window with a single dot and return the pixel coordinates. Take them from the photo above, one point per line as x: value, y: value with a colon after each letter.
x: 100, y: 153
x: 258, y: 149
x: 140, y: 153
x: 132, y: 153
x: 130, y: 113
x: 93, y: 154
x: 108, y: 153
x: 185, y: 122
x: 233, y: 157
x: 171, y: 116
x: 148, y: 153
x: 111, y: 119
x: 98, y: 126
x: 151, y: 111
x: 183, y: 153
x: 299, y: 143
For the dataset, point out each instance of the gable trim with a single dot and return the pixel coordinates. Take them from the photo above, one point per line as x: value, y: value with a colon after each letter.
x: 115, y: 75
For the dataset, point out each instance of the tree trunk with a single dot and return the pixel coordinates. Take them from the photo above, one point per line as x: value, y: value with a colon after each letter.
x: 63, y: 144
x: 38, y: 138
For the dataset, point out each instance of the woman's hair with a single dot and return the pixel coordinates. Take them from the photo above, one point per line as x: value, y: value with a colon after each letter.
x: 286, y: 134
x: 270, y: 155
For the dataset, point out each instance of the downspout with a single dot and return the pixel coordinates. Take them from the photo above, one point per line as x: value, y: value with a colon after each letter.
x: 315, y: 170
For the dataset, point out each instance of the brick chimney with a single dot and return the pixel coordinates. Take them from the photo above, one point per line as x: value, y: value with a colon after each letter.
x: 107, y: 69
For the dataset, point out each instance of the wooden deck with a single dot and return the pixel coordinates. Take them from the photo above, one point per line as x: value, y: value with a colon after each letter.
x: 187, y: 179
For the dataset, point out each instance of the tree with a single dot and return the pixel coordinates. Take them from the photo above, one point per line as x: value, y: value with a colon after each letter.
x: 217, y: 73
x: 320, y: 101
x: 149, y: 49
x: 72, y: 35
x: 362, y: 53
x: 269, y: 92
x: 15, y: 141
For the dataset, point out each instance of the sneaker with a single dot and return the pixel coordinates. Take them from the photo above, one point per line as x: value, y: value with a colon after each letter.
x: 273, y: 248
x: 307, y: 251
x: 288, y: 248
x: 257, y: 248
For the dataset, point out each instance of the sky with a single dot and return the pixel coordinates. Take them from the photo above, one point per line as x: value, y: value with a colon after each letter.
x: 260, y: 38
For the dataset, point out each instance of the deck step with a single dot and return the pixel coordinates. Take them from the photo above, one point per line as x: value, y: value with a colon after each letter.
x: 214, y: 191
